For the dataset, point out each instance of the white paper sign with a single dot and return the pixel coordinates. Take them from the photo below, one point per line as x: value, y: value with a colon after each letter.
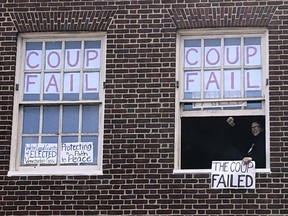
x: 33, y: 60
x: 232, y: 174
x: 92, y: 58
x: 77, y: 152
x: 32, y: 83
x: 40, y: 153
x: 53, y: 59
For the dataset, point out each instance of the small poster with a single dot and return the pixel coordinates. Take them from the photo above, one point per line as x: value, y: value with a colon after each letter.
x: 77, y: 152
x: 40, y: 153
x: 233, y: 174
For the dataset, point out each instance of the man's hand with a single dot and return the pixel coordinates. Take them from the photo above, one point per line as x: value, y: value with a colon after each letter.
x: 246, y: 160
x: 231, y: 121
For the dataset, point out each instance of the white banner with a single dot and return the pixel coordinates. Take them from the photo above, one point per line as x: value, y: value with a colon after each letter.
x: 232, y: 174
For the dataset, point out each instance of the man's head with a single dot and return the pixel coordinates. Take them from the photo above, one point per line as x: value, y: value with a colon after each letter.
x: 256, y: 128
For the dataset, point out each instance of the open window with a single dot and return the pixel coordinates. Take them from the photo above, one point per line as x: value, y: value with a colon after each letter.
x: 220, y: 74
x: 58, y: 106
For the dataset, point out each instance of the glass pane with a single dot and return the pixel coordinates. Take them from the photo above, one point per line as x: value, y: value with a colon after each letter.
x: 70, y: 119
x: 50, y: 119
x: 31, y: 118
x: 192, y: 84
x: 92, y: 153
x: 92, y: 54
x: 212, y: 49
x: 232, y: 52
x: 72, y: 55
x: 33, y: 56
x: 254, y: 105
x: 91, y: 85
x: 212, y: 83
x: 232, y: 83
x: 68, y: 149
x: 252, y: 51
x: 53, y: 55
x: 71, y: 86
x: 253, y: 83
x: 51, y: 86
x: 192, y: 53
x: 26, y: 157
x: 49, y: 139
x: 32, y: 83
x: 90, y: 119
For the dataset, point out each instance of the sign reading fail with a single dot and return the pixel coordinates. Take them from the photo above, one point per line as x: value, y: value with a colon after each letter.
x: 233, y: 174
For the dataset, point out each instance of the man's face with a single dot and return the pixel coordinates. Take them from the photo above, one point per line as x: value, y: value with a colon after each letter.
x: 255, y: 128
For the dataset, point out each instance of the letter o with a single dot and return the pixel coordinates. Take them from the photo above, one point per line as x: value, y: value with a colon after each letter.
x: 218, y: 57
x: 58, y: 59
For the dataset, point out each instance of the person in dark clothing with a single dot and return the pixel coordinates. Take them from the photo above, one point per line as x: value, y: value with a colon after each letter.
x: 232, y: 148
x: 256, y: 150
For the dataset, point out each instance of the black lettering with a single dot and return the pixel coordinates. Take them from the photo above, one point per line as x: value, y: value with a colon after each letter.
x: 241, y: 180
x: 214, y: 179
x: 249, y: 179
x: 222, y: 181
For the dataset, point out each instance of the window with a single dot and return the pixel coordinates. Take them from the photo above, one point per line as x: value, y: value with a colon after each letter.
x: 220, y: 74
x: 58, y: 107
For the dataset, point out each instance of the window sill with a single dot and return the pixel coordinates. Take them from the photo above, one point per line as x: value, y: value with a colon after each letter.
x: 192, y: 171
x: 67, y: 171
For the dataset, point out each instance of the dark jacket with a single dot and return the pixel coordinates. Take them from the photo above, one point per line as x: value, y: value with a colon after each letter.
x: 257, y: 150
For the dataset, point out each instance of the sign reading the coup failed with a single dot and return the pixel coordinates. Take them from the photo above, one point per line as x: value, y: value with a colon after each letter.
x: 233, y: 174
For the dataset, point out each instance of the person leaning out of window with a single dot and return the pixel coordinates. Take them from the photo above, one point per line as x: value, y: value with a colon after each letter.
x: 256, y: 151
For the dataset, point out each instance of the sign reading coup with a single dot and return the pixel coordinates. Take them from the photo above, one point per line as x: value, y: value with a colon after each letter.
x: 232, y: 174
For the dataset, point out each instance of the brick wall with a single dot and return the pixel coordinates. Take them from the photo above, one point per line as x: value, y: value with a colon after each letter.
x: 139, y: 112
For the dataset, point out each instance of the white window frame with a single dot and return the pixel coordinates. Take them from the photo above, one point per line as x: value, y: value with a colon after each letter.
x: 15, y: 168
x: 215, y: 34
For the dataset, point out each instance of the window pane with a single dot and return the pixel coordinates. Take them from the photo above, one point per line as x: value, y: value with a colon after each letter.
x: 212, y: 48
x: 91, y: 85
x: 49, y: 139
x: 223, y: 143
x: 26, y: 157
x: 192, y: 84
x: 232, y: 51
x: 90, y: 119
x: 31, y: 118
x: 72, y: 55
x: 92, y: 54
x: 232, y: 83
x: 33, y: 56
x: 70, y: 119
x: 51, y: 86
x: 192, y: 53
x: 32, y: 84
x: 71, y: 87
x: 50, y: 119
x: 253, y: 83
x: 53, y: 55
x: 252, y: 51
x: 94, y: 141
x: 212, y: 83
x: 68, y: 149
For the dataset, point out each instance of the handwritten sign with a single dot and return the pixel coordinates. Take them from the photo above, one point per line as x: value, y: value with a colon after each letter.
x: 232, y: 174
x: 40, y: 153
x: 78, y: 152
x: 54, y: 58
x: 203, y: 73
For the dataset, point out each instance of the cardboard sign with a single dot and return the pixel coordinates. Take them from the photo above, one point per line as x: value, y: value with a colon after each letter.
x: 232, y: 174
x: 40, y: 153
